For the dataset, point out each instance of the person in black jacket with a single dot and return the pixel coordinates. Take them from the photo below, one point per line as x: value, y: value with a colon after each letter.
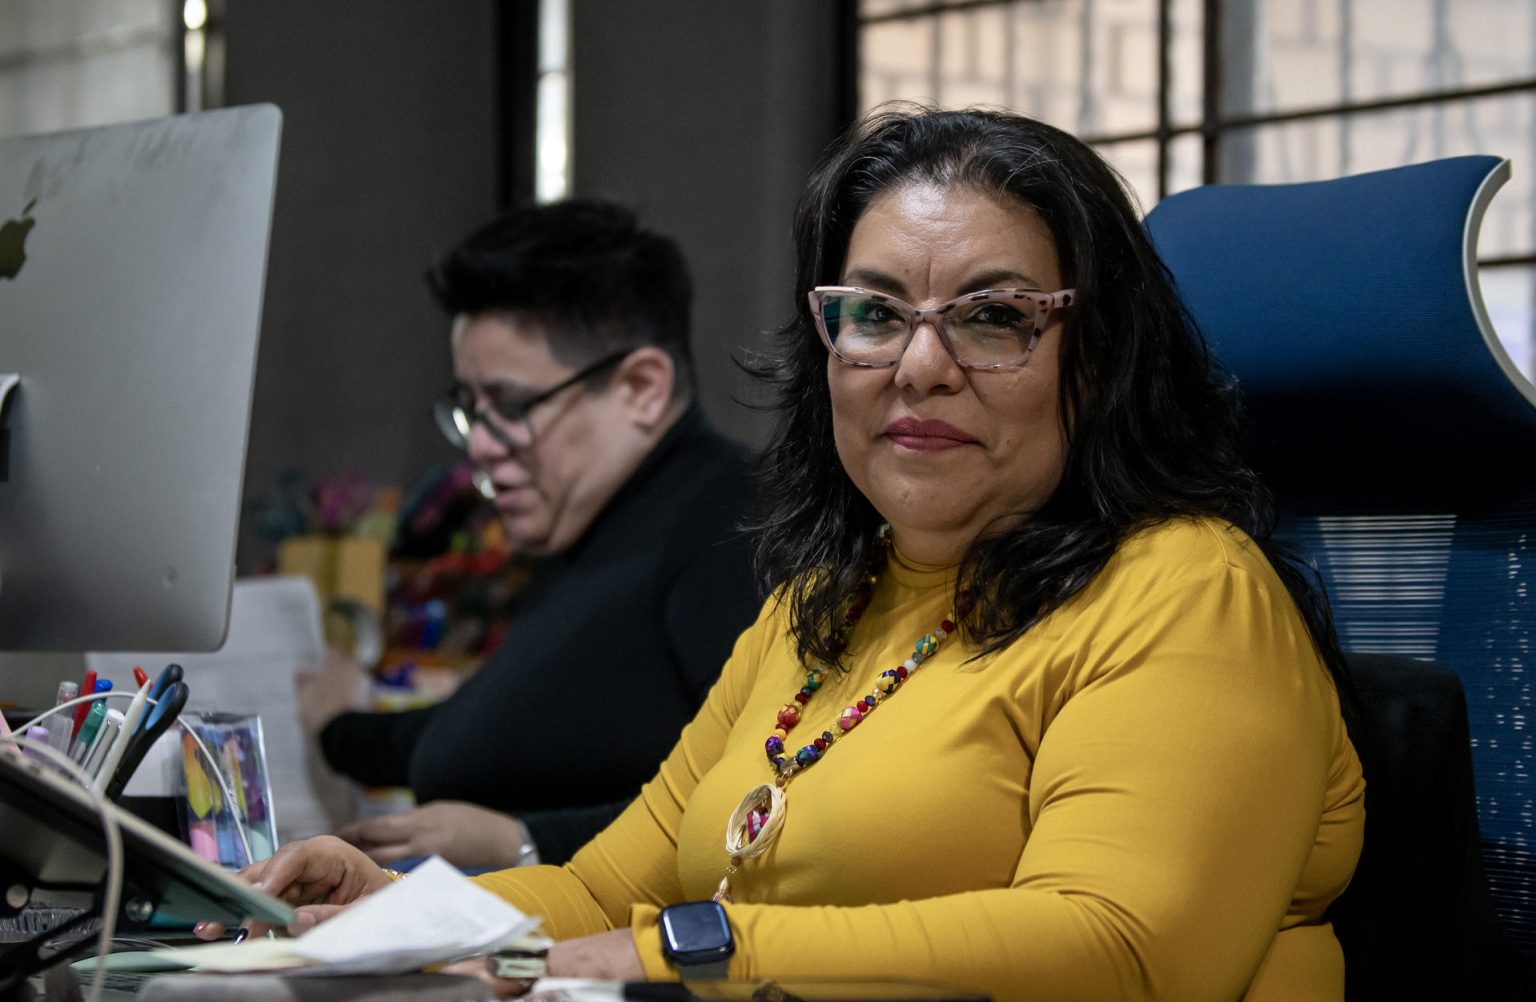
x: 574, y: 399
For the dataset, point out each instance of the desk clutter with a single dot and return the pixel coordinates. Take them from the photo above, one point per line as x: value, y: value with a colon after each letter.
x: 78, y: 869
x: 228, y: 740
x: 100, y: 735
x: 272, y: 988
x: 457, y: 988
x: 219, y: 808
x: 432, y: 916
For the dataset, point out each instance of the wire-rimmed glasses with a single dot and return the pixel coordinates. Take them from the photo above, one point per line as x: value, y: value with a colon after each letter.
x: 993, y: 329
x: 505, y: 413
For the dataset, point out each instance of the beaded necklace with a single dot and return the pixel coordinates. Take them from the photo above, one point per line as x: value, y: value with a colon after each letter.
x: 756, y: 821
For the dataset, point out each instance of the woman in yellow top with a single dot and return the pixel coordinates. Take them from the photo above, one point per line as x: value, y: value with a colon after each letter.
x: 1034, y: 709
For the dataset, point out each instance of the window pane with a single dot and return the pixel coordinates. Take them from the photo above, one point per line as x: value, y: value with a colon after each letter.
x: 1137, y: 163
x: 896, y: 62
x: 65, y: 65
x: 1186, y: 158
x: 1509, y: 293
x: 1311, y: 54
x: 1088, y: 67
x: 1186, y: 62
x: 974, y: 64
x: 1332, y: 147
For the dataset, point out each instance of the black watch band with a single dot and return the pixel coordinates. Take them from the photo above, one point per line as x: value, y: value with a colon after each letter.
x: 696, y: 937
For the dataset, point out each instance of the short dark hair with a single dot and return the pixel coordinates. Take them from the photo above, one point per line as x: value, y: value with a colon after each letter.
x: 586, y: 271
x: 1152, y: 423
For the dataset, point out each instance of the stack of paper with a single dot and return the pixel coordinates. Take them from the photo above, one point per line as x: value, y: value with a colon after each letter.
x: 433, y: 916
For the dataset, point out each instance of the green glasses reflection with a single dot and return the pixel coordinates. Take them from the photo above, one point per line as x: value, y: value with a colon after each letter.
x: 994, y: 329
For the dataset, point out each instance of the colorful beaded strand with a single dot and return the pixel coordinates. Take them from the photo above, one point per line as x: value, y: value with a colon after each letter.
x: 885, y: 687
x: 757, y: 820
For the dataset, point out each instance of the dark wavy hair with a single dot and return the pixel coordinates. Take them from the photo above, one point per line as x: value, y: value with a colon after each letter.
x: 1152, y: 421
x: 586, y: 270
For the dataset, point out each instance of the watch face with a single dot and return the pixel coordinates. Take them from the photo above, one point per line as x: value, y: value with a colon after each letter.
x: 695, y: 932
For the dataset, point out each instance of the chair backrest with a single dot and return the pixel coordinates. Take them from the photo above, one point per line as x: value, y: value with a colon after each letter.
x: 1397, y: 434
x: 1416, y: 921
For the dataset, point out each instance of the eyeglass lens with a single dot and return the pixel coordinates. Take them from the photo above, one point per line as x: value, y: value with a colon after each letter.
x: 865, y: 328
x: 457, y: 412
x: 505, y: 419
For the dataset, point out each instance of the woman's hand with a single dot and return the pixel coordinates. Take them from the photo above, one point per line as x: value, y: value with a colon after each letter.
x: 608, y: 956
x: 338, y: 687
x: 467, y: 836
x: 320, y: 875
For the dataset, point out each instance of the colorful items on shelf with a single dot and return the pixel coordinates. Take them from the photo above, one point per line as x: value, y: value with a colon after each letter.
x: 431, y: 572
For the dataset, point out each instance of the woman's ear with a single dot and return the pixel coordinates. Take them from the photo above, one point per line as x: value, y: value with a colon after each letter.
x: 643, y: 385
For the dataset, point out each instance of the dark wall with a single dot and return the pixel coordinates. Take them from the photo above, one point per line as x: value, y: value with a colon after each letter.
x: 706, y: 115
x: 389, y: 154
x: 703, y: 114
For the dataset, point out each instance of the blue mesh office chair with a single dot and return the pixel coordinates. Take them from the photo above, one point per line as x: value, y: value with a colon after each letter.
x: 1400, y: 441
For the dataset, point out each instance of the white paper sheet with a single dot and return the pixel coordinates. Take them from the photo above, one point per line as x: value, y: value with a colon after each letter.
x: 274, y: 631
x: 575, y: 990
x: 432, y: 916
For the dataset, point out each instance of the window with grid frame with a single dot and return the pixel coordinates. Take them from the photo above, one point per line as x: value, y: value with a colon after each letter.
x: 1177, y: 93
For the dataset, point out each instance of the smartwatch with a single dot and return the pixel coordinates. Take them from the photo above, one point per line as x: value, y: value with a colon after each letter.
x: 696, y: 937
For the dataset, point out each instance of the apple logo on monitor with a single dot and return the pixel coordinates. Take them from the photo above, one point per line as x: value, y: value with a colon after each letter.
x: 13, y: 239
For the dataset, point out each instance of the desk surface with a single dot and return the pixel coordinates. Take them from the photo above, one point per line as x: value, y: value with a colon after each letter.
x: 149, y: 987
x: 453, y: 988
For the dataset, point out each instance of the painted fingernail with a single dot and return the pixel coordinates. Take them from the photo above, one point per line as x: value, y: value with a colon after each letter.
x: 200, y: 928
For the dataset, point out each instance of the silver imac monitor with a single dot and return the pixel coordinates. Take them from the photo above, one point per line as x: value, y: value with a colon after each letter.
x: 132, y: 263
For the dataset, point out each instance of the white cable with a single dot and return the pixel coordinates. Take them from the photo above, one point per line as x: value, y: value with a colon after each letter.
x: 114, y: 837
x: 68, y: 703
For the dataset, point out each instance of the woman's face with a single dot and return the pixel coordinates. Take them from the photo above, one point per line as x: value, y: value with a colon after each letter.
x: 939, y: 450
x: 583, y: 446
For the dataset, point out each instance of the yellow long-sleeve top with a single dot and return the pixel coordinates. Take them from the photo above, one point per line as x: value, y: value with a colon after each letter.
x: 1149, y: 795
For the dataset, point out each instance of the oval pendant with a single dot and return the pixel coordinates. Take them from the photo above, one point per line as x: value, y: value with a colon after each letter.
x: 755, y: 823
